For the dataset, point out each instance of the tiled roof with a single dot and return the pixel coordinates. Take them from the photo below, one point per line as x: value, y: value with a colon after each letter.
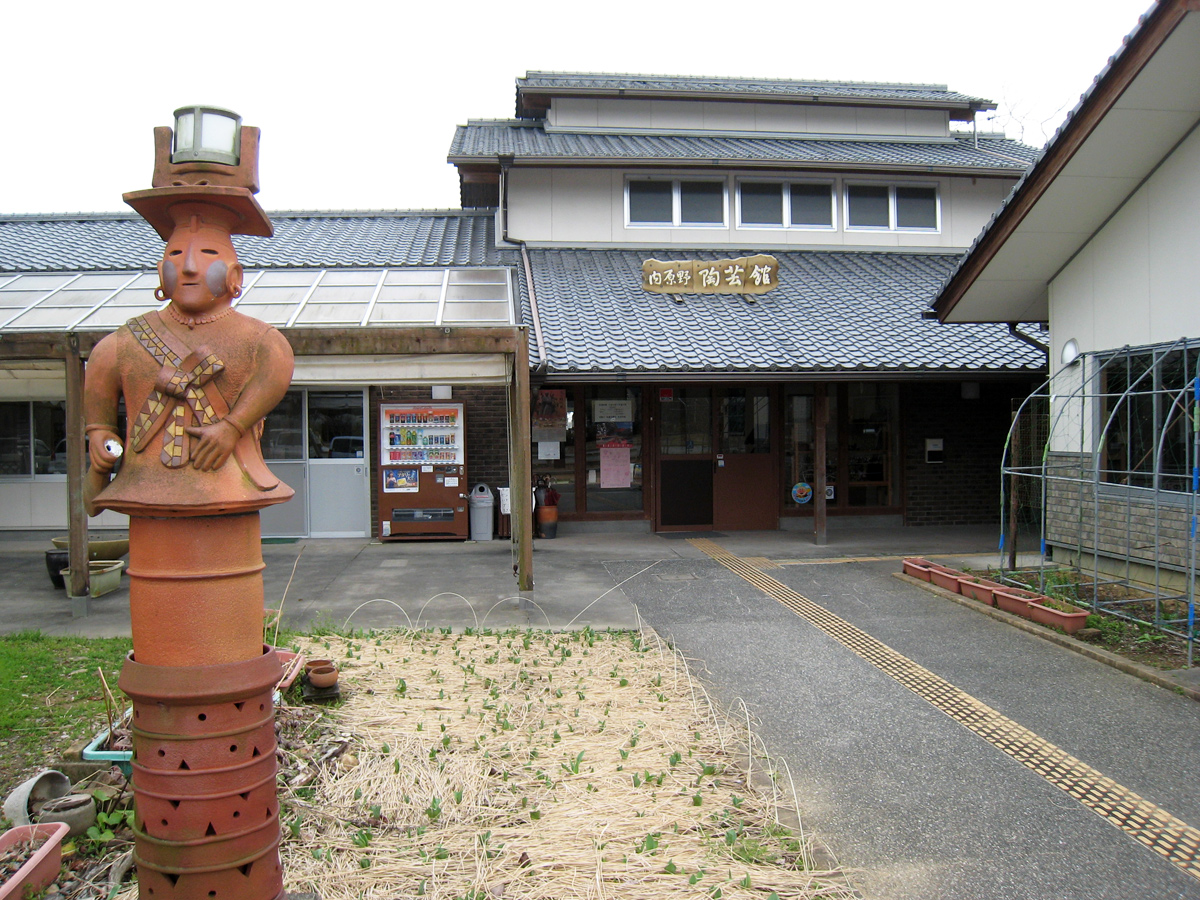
x: 480, y: 141
x: 658, y: 85
x: 106, y: 242
x: 832, y: 310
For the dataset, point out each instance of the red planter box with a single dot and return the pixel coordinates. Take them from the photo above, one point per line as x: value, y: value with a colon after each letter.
x: 978, y: 589
x: 1070, y: 622
x: 945, y: 578
x: 41, y: 869
x: 917, y: 568
x: 1015, y: 600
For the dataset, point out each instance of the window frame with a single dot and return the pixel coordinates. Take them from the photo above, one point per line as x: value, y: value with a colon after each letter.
x: 1116, y: 423
x: 676, y: 183
x: 892, y: 226
x: 785, y: 189
x: 31, y: 434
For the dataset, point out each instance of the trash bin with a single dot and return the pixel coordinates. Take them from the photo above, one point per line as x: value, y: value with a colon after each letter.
x: 481, y: 503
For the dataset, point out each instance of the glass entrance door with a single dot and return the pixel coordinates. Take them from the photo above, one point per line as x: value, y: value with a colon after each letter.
x: 314, y: 441
x: 338, y: 482
x: 744, y: 471
x: 685, y: 459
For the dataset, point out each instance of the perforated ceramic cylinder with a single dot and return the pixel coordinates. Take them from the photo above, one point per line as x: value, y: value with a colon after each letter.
x: 202, y: 570
x: 204, y: 767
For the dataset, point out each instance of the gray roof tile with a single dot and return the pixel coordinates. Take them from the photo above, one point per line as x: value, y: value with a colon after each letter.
x: 118, y: 241
x: 488, y: 140
x: 658, y: 85
x: 833, y: 310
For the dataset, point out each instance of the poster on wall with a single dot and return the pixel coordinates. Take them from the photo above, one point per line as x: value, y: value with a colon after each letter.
x: 549, y: 419
x: 616, y: 470
x: 549, y: 450
x: 612, y: 410
x: 401, y: 481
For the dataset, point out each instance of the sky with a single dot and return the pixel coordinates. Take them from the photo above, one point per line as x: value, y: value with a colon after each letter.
x: 358, y: 100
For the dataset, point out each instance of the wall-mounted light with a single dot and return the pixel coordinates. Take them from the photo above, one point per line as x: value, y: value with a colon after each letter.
x: 1070, y: 353
x: 206, y: 134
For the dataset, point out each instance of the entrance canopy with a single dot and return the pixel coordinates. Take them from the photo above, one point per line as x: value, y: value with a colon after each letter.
x: 285, y: 298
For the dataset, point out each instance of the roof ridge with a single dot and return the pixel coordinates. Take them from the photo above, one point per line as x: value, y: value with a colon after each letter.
x: 736, y: 78
x: 279, y: 213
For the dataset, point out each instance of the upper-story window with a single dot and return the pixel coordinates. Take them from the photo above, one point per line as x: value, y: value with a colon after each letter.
x: 676, y: 202
x: 782, y: 204
x: 892, y: 207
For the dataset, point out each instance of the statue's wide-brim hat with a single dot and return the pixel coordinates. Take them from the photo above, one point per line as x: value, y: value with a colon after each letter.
x: 236, y: 207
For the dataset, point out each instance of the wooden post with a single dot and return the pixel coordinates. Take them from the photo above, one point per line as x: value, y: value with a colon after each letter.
x: 520, y: 465
x: 79, y: 584
x: 820, y: 423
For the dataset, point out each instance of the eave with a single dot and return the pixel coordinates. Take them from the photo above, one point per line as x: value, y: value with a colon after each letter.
x: 1120, y: 132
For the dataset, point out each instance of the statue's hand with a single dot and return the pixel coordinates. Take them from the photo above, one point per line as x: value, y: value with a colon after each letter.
x: 212, y: 444
x: 102, y: 460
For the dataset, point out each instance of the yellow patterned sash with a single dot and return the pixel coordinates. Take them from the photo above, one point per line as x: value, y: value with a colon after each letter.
x: 182, y: 396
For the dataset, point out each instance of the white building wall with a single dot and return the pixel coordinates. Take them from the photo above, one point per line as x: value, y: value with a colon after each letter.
x: 717, y: 115
x: 1137, y: 281
x: 41, y: 502
x: 572, y: 206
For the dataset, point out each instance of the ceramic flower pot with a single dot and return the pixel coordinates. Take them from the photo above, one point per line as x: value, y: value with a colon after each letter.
x: 111, y: 548
x: 76, y: 811
x: 323, y: 676
x: 547, y: 519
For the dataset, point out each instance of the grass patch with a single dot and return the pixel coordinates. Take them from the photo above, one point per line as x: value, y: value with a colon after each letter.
x: 50, y: 696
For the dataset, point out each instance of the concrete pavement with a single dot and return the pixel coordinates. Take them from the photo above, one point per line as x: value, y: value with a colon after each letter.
x: 916, y: 804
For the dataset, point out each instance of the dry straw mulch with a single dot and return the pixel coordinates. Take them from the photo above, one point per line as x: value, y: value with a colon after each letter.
x: 536, y: 765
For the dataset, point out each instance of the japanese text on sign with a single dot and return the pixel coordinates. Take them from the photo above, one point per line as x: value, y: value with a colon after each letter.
x: 744, y: 275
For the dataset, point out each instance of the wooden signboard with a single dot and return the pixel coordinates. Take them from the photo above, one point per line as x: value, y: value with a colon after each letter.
x: 744, y: 275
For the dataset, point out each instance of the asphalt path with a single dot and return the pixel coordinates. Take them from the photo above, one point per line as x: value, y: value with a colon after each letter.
x: 914, y: 804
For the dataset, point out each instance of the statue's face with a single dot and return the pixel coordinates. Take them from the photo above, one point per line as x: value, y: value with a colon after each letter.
x: 199, y: 269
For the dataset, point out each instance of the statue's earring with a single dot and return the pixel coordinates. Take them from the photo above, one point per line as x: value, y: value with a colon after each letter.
x: 237, y: 292
x: 159, y: 294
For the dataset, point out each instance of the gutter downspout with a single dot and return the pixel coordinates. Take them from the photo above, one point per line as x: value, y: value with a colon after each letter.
x: 543, y: 362
x: 1022, y: 336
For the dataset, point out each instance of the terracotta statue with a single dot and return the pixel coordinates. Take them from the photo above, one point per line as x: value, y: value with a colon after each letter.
x: 197, y: 377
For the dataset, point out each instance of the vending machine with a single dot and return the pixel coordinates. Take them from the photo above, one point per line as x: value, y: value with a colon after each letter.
x: 422, y: 472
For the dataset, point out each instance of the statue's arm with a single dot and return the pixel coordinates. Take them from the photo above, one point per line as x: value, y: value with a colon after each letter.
x: 101, y: 394
x: 261, y: 393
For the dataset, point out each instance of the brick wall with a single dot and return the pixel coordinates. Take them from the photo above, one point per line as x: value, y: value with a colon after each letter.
x: 965, y: 489
x: 486, y: 418
x: 1128, y: 523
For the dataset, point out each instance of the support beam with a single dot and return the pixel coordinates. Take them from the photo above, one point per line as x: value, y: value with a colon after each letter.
x: 392, y: 341
x: 521, y: 474
x: 77, y: 518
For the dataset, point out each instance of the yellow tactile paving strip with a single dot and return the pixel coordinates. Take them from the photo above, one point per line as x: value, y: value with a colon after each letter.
x: 1142, y: 820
